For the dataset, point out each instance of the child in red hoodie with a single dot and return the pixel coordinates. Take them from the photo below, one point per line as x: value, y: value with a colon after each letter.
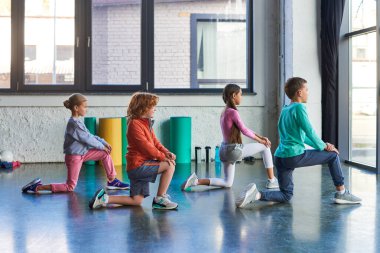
x: 146, y: 158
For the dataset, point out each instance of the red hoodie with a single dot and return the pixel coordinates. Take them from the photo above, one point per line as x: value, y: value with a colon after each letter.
x: 143, y: 144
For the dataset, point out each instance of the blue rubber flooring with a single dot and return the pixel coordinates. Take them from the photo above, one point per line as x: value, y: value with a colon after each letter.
x: 206, y: 220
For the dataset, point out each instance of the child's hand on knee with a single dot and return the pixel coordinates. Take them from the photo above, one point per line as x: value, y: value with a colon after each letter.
x: 169, y: 161
x: 170, y: 155
x: 107, y: 149
x: 331, y: 148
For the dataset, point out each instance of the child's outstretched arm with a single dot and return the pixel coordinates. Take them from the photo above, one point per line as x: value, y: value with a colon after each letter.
x: 263, y: 140
x: 311, y: 138
x: 240, y: 124
x: 161, y: 147
x: 146, y: 147
x: 81, y: 134
x: 246, y: 131
x: 169, y: 155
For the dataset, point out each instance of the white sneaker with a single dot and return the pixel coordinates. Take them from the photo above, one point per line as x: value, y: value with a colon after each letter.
x: 190, y: 181
x: 247, y: 196
x: 271, y: 185
x: 99, y: 199
x: 163, y: 202
x: 346, y: 198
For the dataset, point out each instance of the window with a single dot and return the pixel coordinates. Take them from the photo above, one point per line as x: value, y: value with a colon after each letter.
x: 126, y: 45
x: 219, y: 49
x: 65, y: 53
x: 363, y: 84
x: 363, y: 101
x: 5, y: 44
x: 116, y: 42
x: 200, y: 45
x: 48, y: 24
x: 363, y: 14
x: 361, y: 54
x: 30, y: 52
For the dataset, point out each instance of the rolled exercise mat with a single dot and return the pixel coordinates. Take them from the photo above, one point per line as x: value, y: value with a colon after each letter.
x: 90, y: 123
x: 110, y: 130
x: 180, y: 138
x: 124, y: 141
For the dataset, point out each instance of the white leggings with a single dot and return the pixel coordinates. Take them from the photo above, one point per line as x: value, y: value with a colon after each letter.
x: 248, y: 150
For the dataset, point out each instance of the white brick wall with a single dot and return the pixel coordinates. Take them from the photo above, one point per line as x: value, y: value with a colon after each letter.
x: 116, y: 44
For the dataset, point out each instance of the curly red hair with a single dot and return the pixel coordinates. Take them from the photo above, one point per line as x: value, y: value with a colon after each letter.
x: 140, y: 103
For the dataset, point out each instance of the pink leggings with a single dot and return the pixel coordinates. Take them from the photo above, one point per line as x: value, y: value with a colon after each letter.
x: 74, y: 164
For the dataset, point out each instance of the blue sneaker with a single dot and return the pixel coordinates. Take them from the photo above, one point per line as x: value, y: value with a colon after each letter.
x: 31, y: 187
x: 116, y: 184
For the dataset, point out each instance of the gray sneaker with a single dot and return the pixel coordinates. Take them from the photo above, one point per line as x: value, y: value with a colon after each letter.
x: 98, y: 200
x: 271, y: 185
x: 163, y: 202
x: 247, y: 196
x: 189, y: 182
x: 346, y: 198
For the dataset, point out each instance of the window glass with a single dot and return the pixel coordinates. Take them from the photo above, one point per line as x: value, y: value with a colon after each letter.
x: 363, y: 14
x: 116, y: 42
x: 363, y: 99
x: 5, y: 44
x: 200, y: 44
x: 49, y: 25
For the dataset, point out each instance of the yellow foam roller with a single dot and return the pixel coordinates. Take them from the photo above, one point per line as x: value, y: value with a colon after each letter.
x: 110, y: 130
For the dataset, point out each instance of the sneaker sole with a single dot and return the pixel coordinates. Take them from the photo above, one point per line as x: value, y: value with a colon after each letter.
x: 248, y: 196
x: 272, y: 187
x: 35, y: 181
x: 189, y: 182
x: 96, y: 196
x: 163, y: 208
x: 117, y: 188
x: 345, y: 202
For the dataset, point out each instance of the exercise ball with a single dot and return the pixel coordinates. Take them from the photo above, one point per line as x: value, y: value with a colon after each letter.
x: 6, y: 156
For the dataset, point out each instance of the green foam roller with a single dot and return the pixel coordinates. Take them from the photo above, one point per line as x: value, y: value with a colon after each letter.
x: 124, y: 141
x: 90, y: 123
x: 180, y: 138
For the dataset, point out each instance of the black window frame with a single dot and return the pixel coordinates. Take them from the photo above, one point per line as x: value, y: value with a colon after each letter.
x: 82, y: 56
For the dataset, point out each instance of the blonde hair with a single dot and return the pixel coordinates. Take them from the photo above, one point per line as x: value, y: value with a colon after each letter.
x: 73, y: 100
x: 228, y: 93
x: 140, y: 103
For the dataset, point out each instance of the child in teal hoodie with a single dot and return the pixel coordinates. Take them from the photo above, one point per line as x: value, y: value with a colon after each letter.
x: 295, y: 131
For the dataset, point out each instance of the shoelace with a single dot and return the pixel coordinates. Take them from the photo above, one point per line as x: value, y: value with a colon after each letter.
x: 166, y: 196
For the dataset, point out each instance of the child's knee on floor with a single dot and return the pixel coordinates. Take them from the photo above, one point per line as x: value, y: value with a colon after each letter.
x: 288, y: 196
x: 138, y: 199
x: 71, y: 187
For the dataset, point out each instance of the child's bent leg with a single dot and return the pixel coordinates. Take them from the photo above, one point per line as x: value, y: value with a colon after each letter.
x: 336, y: 171
x: 125, y: 200
x: 96, y: 154
x: 73, y: 164
x: 229, y: 175
x: 166, y: 170
x: 314, y: 157
x: 285, y: 179
x: 268, y: 162
x: 45, y: 187
x: 254, y: 148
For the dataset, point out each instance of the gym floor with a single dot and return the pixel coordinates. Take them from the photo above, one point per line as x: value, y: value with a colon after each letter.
x: 206, y: 220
